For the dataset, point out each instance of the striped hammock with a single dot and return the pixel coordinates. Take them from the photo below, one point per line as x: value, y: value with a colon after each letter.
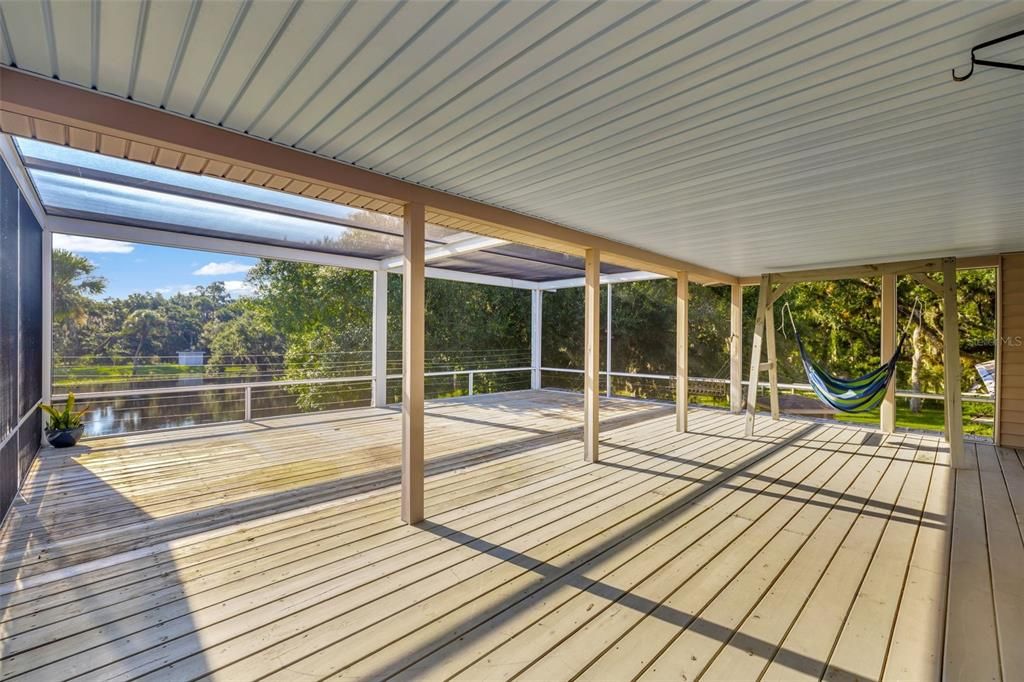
x: 861, y: 394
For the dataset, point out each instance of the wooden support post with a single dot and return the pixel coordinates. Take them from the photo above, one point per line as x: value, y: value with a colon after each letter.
x: 773, y: 365
x: 413, y: 285
x: 591, y: 355
x: 951, y: 364
x: 888, y: 346
x: 755, y: 352
x: 736, y: 349
x: 536, y: 324
x: 682, y: 351
x: 379, y: 361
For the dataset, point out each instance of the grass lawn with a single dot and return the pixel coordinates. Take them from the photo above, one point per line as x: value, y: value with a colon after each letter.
x: 115, y: 373
x: 79, y: 375
x: 931, y: 417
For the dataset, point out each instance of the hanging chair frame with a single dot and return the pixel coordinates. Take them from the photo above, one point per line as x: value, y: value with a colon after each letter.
x: 774, y: 285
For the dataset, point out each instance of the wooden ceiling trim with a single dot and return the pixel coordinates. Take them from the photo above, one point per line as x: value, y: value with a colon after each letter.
x: 86, y: 140
x: 191, y: 163
x: 51, y: 132
x: 238, y: 173
x: 113, y: 146
x: 16, y: 124
x: 168, y: 159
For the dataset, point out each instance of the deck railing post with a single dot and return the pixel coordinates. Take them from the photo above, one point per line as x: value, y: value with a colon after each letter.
x: 413, y: 363
x: 591, y: 355
x: 471, y: 383
x: 608, y: 344
x: 536, y: 324
x: 248, y: 404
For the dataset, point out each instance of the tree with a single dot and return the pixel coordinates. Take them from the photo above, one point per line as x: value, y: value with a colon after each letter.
x: 144, y: 328
x: 73, y: 284
x: 245, y: 339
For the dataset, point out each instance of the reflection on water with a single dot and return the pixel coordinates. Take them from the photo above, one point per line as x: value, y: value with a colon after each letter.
x: 126, y: 414
x: 225, y: 401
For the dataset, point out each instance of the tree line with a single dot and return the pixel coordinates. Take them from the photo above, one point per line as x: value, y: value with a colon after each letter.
x: 307, y: 316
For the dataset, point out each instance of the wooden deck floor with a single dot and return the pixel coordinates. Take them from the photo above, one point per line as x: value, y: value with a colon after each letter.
x: 274, y: 550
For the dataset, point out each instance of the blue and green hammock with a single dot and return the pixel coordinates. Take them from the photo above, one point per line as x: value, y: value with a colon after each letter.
x: 861, y: 394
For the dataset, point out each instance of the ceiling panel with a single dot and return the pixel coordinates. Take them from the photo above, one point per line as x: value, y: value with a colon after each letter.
x: 743, y: 136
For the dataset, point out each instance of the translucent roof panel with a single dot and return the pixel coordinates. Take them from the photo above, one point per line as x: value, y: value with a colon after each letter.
x: 97, y: 200
x: 92, y: 186
x: 490, y: 263
x: 564, y: 260
x: 70, y: 161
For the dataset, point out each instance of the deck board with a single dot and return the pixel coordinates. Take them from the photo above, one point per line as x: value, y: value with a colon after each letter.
x: 274, y: 549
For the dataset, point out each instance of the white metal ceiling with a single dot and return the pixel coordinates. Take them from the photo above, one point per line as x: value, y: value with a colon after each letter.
x: 744, y: 136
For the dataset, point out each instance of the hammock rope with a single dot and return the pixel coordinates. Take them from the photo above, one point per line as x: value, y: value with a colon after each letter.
x: 860, y: 394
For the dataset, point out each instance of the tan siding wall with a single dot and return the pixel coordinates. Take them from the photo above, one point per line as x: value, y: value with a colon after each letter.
x: 1011, y: 349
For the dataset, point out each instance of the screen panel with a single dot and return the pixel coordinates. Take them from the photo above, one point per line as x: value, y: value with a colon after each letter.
x: 8, y: 302
x: 30, y: 358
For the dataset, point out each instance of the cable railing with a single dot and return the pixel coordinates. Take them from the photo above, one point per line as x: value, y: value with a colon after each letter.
x: 197, y: 395
x: 966, y: 397
x: 173, y: 394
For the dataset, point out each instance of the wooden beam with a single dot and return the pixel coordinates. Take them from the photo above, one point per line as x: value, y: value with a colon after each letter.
x: 682, y: 351
x: 951, y: 364
x: 755, y: 352
x: 380, y: 339
x: 926, y: 280
x: 888, y: 347
x: 779, y: 291
x: 62, y: 104
x: 856, y: 271
x: 736, y: 349
x: 976, y: 262
x: 844, y: 272
x: 592, y: 355
x: 413, y: 285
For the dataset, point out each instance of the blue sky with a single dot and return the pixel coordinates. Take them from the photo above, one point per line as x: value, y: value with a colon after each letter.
x: 131, y: 268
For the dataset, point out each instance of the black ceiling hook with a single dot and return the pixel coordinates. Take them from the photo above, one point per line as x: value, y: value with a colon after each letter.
x: 988, y: 62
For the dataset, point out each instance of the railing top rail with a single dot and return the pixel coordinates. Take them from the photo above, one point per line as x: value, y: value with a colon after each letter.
x: 229, y: 385
x: 197, y: 388
x: 969, y: 397
x: 236, y: 385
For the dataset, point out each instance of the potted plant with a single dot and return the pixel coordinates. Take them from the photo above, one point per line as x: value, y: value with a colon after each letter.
x: 65, y: 426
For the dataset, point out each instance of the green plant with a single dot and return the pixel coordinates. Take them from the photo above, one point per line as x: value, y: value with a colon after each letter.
x: 66, y: 419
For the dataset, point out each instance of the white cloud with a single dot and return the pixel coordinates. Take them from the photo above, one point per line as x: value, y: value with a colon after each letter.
x: 226, y: 268
x: 172, y: 289
x: 238, y: 287
x: 77, y: 244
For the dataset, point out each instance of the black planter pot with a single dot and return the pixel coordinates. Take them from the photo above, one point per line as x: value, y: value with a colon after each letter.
x: 64, y: 438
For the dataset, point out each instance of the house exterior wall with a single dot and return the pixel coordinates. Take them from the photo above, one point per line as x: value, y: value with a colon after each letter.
x: 1010, y: 372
